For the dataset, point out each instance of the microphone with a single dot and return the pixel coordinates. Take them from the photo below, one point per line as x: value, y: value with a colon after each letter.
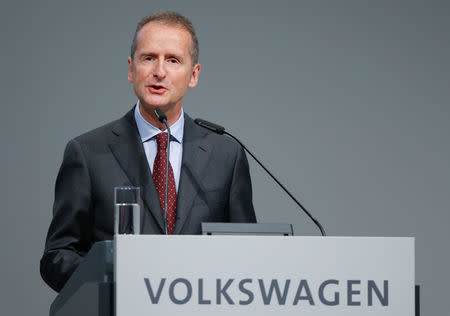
x: 211, y: 126
x: 221, y: 130
x: 163, y: 119
x: 161, y: 116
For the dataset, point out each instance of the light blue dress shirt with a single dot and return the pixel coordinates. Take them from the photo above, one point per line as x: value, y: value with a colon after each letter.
x: 148, y: 132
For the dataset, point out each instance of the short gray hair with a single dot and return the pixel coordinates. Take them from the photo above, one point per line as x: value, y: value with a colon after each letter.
x: 169, y: 18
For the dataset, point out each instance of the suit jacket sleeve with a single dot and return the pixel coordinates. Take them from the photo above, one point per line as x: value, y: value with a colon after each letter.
x: 240, y: 200
x: 69, y: 234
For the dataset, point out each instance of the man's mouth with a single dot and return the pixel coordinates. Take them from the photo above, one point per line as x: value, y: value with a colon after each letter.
x: 156, y: 88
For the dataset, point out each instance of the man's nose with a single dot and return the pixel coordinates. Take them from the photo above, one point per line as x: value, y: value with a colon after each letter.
x: 159, y: 70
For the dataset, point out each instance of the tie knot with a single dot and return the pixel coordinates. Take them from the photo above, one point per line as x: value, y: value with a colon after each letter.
x: 161, y: 139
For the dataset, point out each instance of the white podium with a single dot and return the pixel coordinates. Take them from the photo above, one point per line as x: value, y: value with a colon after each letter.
x: 263, y: 275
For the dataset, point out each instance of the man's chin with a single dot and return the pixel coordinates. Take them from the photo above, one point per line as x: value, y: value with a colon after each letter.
x: 151, y: 105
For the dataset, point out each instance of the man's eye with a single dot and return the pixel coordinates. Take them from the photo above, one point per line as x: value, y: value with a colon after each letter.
x: 148, y: 58
x: 173, y: 60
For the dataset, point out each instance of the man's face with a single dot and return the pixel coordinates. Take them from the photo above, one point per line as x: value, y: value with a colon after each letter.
x: 162, y: 69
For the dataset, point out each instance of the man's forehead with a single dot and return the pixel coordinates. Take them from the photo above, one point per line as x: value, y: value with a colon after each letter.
x: 152, y: 34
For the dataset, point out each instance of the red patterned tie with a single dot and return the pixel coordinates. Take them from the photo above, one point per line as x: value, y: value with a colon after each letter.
x: 159, y: 178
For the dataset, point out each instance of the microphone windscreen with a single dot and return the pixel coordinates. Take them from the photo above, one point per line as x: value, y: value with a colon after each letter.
x: 160, y: 115
x: 211, y: 126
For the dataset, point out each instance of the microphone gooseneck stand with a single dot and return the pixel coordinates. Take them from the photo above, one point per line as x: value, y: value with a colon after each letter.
x: 163, y: 119
x: 221, y: 130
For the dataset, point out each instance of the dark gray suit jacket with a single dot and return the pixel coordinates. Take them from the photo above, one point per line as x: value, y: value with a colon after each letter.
x: 214, y: 186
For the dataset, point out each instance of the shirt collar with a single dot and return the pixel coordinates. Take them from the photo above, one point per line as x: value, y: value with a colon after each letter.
x: 147, y: 131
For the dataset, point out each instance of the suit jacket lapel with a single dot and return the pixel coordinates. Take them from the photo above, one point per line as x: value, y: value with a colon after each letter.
x: 129, y: 152
x: 196, y: 153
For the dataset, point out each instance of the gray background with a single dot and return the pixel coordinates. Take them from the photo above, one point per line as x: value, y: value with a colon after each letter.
x: 346, y: 101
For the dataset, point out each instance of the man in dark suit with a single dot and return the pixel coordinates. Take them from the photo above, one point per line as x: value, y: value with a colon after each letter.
x: 208, y: 172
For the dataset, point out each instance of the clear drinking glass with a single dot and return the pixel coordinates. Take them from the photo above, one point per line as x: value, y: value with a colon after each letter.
x: 127, y: 210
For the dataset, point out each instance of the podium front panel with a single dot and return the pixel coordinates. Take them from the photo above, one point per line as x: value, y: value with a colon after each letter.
x: 261, y: 275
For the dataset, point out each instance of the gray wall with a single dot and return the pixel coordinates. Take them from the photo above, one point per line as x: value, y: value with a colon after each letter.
x: 346, y: 101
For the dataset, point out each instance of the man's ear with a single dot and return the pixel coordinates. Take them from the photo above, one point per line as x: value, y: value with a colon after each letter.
x: 194, y: 77
x: 130, y: 70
